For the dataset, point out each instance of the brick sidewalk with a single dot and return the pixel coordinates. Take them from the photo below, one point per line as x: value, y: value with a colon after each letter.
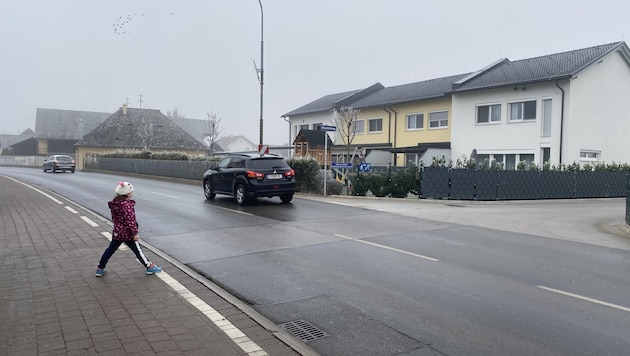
x: 52, y: 304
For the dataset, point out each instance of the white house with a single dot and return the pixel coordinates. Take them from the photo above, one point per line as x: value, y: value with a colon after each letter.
x: 560, y: 108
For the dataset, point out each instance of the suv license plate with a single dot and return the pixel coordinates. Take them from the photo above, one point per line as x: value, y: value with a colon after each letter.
x: 274, y: 176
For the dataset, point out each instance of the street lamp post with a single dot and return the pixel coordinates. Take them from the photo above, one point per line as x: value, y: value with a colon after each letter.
x: 261, y: 77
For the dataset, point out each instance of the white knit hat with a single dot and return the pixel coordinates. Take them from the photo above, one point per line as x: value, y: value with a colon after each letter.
x: 124, y: 188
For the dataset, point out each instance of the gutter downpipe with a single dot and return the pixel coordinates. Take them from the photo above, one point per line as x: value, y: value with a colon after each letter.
x: 290, y: 143
x: 561, y: 122
x: 395, y: 130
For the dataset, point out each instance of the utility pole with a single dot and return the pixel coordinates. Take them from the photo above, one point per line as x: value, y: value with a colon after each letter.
x: 140, y: 101
x: 261, y: 77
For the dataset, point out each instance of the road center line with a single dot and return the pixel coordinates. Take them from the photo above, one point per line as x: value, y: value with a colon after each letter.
x: 234, y: 211
x: 387, y: 248
x: 577, y: 296
x: 165, y: 195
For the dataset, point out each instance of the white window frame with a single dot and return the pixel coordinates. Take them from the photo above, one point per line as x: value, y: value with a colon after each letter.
x: 546, y: 116
x: 416, y: 116
x: 440, y: 121
x: 359, y: 127
x: 375, y: 119
x: 520, y: 106
x: 590, y: 155
x: 492, y: 108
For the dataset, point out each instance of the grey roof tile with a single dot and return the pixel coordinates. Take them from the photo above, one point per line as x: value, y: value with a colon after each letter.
x: 418, y: 91
x: 66, y: 124
x: 140, y: 128
x: 538, y: 69
x: 334, y: 101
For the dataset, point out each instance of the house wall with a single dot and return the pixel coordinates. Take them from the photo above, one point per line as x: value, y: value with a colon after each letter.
x: 311, y: 120
x: 505, y: 137
x: 599, y: 109
x: 407, y: 138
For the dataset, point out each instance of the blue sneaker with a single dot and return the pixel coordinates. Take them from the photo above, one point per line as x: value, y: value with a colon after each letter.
x: 100, y: 272
x: 153, y: 268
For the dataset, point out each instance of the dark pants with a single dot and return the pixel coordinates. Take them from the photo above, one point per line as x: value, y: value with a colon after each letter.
x: 133, y: 245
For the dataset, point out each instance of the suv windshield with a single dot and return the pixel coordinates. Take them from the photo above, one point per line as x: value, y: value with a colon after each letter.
x: 269, y: 163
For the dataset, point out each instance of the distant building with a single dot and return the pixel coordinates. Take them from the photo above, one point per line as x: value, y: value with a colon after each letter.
x: 57, y: 131
x: 131, y: 128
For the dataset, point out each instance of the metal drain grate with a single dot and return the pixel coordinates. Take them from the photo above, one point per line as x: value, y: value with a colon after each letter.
x: 304, y: 330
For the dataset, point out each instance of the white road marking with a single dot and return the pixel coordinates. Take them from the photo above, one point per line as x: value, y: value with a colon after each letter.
x: 71, y: 210
x: 581, y: 297
x: 108, y: 235
x: 37, y: 190
x: 387, y: 248
x: 90, y: 222
x: 234, y: 211
x: 242, y: 340
x: 166, y: 195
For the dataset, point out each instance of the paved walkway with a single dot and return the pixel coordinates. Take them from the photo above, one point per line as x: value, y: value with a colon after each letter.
x: 52, y: 304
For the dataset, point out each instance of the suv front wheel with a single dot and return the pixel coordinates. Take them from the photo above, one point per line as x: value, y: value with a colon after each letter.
x: 207, y: 190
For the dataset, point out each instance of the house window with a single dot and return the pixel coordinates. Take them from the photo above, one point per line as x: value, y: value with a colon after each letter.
x: 546, y: 154
x: 359, y: 127
x: 304, y: 127
x: 317, y: 125
x: 375, y: 125
x: 589, y: 155
x: 524, y: 110
x: 508, y: 162
x: 488, y: 114
x: 546, y: 119
x: 438, y: 119
x: 415, y: 121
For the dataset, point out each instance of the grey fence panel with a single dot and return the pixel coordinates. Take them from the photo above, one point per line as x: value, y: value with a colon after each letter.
x: 486, y: 184
x: 517, y: 185
x: 617, y: 184
x: 590, y: 185
x: 628, y: 200
x: 462, y: 184
x: 556, y: 185
x: 435, y: 182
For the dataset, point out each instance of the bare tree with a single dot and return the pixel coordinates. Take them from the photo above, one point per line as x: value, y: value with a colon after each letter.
x: 346, y: 121
x: 212, y: 130
x: 174, y: 113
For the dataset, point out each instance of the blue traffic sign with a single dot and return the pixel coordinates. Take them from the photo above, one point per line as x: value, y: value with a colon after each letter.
x: 365, y: 167
x: 341, y: 165
x: 327, y: 128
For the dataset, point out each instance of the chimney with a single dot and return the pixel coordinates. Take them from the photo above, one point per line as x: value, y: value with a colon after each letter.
x: 124, y: 109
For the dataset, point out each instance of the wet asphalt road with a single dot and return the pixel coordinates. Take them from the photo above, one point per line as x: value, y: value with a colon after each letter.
x: 383, y: 277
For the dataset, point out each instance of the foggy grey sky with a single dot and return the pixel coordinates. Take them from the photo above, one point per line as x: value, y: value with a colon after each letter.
x: 198, y: 55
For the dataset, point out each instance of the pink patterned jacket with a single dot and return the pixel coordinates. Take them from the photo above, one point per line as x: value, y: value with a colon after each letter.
x: 124, y: 219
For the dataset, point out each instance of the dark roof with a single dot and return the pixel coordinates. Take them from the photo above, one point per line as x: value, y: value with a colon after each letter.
x: 66, y: 124
x: 425, y: 90
x: 334, y: 101
x: 8, y: 140
x: 314, y: 138
x: 538, y: 69
x: 140, y: 128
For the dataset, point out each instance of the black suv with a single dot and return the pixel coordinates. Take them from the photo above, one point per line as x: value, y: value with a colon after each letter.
x: 250, y: 176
